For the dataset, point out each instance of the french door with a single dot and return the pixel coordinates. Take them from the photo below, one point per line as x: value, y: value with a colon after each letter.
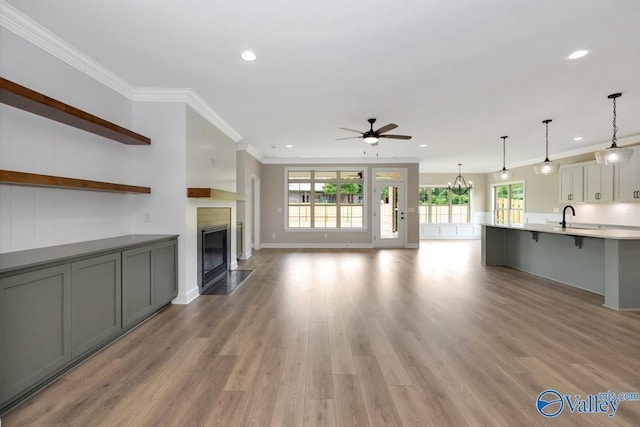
x: 389, y: 209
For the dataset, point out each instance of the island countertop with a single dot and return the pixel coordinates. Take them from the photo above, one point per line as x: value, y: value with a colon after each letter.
x: 599, y: 233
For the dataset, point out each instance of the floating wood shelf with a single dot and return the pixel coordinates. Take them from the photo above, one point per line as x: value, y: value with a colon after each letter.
x: 34, y: 102
x: 36, y: 180
x: 212, y: 193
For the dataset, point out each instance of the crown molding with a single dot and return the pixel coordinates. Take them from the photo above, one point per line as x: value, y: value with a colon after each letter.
x: 251, y: 150
x: 26, y: 28
x: 189, y: 97
x: 340, y: 161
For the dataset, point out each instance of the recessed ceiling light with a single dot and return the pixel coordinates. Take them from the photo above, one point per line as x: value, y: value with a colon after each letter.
x: 289, y: 146
x: 247, y: 55
x: 423, y: 145
x: 577, y: 138
x: 578, y: 54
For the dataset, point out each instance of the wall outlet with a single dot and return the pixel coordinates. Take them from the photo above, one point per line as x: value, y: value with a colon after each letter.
x: 147, y: 217
x: 279, y: 210
x: 325, y: 235
x: 273, y: 235
x: 556, y: 210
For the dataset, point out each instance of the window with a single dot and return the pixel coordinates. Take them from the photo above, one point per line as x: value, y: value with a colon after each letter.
x: 325, y: 199
x: 438, y: 205
x: 508, y: 203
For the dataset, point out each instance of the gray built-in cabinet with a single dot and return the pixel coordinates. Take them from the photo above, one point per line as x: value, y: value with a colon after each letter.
x: 60, y: 304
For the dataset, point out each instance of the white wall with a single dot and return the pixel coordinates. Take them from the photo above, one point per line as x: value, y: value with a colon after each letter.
x: 34, y: 217
x: 211, y: 155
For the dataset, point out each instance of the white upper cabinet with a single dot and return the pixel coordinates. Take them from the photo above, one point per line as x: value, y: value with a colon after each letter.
x: 628, y: 179
x: 598, y: 181
x: 571, y: 184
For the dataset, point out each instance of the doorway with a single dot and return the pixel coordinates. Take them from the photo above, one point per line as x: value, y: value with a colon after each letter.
x: 389, y: 207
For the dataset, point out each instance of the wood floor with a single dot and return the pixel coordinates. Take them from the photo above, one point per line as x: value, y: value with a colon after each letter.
x: 424, y: 337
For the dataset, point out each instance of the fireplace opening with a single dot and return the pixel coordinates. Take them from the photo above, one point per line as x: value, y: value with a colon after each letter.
x: 215, y: 262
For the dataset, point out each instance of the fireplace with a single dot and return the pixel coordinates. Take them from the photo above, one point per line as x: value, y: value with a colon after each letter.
x: 214, y: 255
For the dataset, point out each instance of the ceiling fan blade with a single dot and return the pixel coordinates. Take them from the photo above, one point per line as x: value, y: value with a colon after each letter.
x: 352, y: 130
x: 386, y: 128
x: 349, y: 137
x: 396, y: 136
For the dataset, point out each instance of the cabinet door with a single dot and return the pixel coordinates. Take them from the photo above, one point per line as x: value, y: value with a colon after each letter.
x: 571, y: 184
x: 35, y: 327
x: 629, y: 179
x: 165, y: 278
x: 96, y: 312
x: 137, y: 284
x: 598, y: 183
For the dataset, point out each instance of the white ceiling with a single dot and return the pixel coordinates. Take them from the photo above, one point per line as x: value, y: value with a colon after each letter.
x: 456, y: 75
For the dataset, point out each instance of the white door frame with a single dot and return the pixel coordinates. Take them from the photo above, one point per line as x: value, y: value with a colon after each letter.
x: 254, y: 235
x: 400, y: 241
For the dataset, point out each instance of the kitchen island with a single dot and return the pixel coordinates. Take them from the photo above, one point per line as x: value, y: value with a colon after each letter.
x: 604, y: 261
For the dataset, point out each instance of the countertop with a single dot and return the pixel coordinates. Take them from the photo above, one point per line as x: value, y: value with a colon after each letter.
x: 33, y: 257
x: 598, y: 233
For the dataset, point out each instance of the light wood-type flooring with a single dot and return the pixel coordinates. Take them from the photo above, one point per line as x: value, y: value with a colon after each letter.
x: 391, y: 337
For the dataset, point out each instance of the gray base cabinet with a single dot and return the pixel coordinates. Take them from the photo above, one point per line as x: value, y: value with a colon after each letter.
x: 35, y: 321
x: 165, y: 273
x: 60, y: 304
x: 95, y: 302
x: 137, y: 277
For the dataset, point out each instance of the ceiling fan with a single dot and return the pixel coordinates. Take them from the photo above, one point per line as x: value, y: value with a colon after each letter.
x: 371, y: 136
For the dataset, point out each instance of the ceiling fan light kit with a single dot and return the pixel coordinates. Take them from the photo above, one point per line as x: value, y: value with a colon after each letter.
x: 614, y: 154
x: 547, y: 167
x: 372, y: 137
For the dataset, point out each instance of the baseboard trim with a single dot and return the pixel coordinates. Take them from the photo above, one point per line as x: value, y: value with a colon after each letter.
x: 317, y: 245
x: 186, y: 298
x: 412, y: 245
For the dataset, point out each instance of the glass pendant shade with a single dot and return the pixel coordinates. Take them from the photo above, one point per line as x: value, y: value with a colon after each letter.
x: 504, y: 174
x: 547, y: 167
x: 614, y: 154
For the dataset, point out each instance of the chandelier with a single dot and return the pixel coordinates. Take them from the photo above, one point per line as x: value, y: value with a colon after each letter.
x: 460, y: 185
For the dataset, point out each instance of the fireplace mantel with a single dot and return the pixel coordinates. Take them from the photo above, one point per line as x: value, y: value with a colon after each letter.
x: 213, y: 193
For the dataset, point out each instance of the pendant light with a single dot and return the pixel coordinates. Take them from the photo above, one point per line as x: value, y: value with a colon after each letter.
x: 460, y: 185
x: 547, y: 167
x: 614, y: 154
x: 503, y: 174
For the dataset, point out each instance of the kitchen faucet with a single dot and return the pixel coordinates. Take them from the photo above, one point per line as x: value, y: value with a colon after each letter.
x: 564, y: 211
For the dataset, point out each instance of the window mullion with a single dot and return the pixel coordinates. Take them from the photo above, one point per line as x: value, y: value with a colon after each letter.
x: 312, y: 200
x: 338, y: 213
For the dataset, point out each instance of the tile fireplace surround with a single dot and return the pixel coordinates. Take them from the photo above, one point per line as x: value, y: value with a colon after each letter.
x: 208, y: 217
